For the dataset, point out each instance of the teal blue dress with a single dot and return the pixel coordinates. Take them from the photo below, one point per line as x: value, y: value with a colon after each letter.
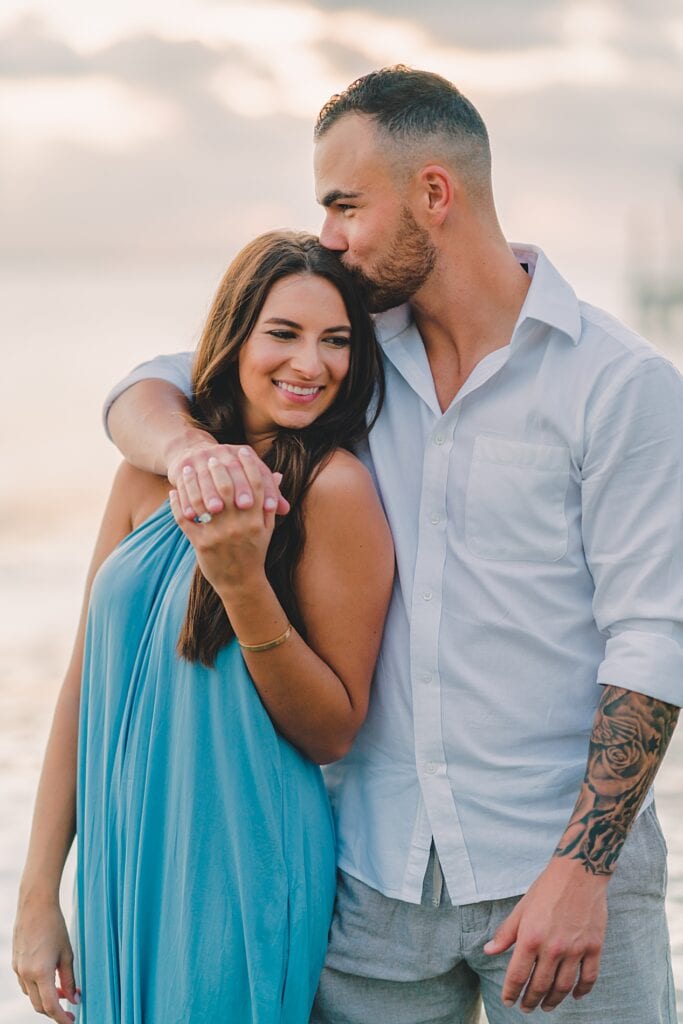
x: 205, y: 877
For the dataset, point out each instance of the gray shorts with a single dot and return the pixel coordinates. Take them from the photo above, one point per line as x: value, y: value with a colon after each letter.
x: 391, y: 962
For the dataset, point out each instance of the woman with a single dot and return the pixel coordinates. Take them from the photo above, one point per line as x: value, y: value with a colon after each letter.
x: 218, y: 661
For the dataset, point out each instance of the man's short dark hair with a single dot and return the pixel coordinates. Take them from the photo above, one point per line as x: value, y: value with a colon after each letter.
x: 418, y: 110
x: 406, y: 103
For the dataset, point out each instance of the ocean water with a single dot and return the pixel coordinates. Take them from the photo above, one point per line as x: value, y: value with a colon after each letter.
x: 66, y: 337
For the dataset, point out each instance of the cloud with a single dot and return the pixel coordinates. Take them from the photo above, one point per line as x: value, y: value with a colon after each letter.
x: 29, y: 49
x: 490, y: 25
x: 196, y: 187
x: 190, y: 197
x: 137, y: 89
x: 107, y: 114
x: 472, y: 24
x: 165, y: 64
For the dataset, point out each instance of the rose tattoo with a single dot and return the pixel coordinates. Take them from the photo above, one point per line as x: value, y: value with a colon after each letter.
x: 629, y: 739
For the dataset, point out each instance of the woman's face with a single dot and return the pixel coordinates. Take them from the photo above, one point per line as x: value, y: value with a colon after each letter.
x: 293, y: 363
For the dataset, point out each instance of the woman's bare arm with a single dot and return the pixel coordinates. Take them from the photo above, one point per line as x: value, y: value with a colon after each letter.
x: 316, y: 691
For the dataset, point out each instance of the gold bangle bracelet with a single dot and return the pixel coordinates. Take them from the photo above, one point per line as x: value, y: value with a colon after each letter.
x: 269, y: 644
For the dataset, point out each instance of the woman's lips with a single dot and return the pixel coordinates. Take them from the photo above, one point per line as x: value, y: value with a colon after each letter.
x: 297, y: 392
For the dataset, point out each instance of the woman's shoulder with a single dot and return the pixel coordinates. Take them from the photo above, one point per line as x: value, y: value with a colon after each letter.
x: 343, y: 498
x: 141, y: 491
x: 343, y: 476
x: 345, y: 521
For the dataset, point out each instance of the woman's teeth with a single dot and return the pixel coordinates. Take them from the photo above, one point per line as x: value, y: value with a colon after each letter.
x: 294, y: 389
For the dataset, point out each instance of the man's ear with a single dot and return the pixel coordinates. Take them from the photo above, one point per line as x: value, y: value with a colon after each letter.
x: 438, y: 191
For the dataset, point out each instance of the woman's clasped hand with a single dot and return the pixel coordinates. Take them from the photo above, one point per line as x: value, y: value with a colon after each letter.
x: 231, y: 545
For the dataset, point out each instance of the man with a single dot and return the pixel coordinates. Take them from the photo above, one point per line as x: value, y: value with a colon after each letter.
x: 529, y: 460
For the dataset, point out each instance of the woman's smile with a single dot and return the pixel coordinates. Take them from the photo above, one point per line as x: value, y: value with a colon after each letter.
x: 299, y: 393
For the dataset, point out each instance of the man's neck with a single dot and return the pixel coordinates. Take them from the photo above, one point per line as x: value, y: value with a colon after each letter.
x: 468, y: 308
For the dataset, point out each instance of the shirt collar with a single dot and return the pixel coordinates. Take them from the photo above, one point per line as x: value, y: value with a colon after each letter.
x: 390, y: 324
x: 550, y: 300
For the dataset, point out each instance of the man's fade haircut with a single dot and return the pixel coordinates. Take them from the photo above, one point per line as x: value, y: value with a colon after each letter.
x: 415, y: 110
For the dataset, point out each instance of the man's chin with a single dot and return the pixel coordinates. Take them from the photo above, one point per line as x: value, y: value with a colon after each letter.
x: 380, y: 302
x: 376, y: 298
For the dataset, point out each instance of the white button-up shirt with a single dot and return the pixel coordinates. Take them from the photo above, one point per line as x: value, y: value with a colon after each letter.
x: 539, y: 543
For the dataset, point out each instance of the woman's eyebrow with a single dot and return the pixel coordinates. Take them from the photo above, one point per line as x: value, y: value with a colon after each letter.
x: 293, y: 323
x: 287, y: 323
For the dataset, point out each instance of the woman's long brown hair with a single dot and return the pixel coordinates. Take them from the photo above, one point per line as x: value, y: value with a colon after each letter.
x: 297, y: 454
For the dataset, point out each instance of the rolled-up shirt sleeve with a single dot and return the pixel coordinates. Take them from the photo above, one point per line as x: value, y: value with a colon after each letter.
x: 632, y: 523
x: 176, y: 369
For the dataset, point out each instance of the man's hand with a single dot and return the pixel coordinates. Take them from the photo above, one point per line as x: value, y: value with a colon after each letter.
x: 558, y: 929
x: 189, y: 473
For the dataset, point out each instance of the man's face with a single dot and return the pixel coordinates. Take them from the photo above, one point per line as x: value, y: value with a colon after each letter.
x: 368, y: 219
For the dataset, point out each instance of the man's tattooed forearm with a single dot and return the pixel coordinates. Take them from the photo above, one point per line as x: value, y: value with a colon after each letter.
x: 630, y: 735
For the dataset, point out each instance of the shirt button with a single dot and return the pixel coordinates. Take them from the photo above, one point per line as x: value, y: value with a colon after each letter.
x: 426, y: 677
x: 439, y: 439
x: 430, y: 768
x: 434, y: 519
x: 427, y: 596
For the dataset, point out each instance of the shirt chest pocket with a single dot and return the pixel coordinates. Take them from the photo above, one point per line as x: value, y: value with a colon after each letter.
x: 515, y: 503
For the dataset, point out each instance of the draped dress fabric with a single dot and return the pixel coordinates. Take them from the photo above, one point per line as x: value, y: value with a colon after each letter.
x: 205, y: 877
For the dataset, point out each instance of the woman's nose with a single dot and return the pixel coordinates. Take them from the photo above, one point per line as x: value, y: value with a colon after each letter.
x: 306, y: 360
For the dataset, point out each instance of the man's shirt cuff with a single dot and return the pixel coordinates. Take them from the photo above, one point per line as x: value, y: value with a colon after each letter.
x: 649, y: 663
x: 176, y: 369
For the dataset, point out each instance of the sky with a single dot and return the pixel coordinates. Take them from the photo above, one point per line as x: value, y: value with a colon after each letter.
x: 147, y: 132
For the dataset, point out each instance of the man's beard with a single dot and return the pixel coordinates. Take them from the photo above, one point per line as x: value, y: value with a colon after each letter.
x: 410, y: 259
